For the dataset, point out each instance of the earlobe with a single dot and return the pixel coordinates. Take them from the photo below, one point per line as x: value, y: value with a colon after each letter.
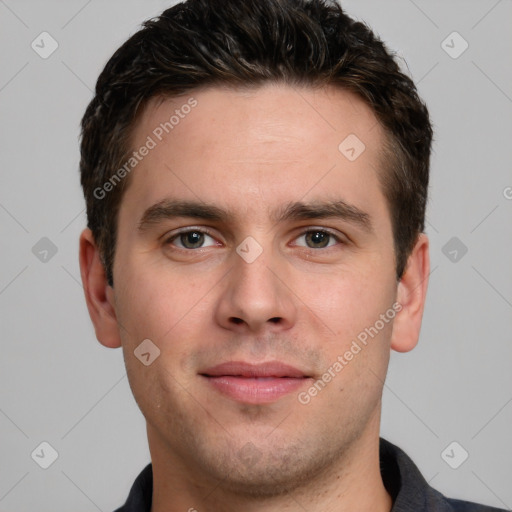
x: 412, y: 290
x: 98, y: 294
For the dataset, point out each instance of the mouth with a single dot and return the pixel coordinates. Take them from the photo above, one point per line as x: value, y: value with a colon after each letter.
x: 255, y: 383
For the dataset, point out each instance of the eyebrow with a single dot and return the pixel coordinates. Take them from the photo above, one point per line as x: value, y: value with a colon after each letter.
x: 167, y: 209
x: 321, y: 210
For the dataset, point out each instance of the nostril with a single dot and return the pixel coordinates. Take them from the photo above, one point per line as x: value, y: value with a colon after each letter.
x: 237, y: 321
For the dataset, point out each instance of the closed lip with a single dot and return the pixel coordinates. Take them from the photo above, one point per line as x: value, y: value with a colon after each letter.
x: 249, y: 383
x: 242, y: 369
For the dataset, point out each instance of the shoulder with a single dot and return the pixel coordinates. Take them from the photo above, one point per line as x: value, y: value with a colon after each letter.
x: 410, y: 491
x: 466, y: 506
x: 140, y: 497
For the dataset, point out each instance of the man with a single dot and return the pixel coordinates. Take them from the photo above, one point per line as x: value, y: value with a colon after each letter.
x: 256, y: 177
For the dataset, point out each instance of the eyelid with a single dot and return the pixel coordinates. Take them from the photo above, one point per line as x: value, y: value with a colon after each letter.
x: 168, y: 238
x: 339, y: 237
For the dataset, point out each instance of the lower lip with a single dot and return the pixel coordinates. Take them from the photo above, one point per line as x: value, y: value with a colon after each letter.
x: 256, y: 390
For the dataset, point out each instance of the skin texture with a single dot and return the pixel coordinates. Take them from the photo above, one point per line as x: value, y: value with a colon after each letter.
x: 252, y: 153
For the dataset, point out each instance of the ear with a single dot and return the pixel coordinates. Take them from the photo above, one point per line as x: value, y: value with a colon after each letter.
x: 98, y: 294
x: 412, y: 290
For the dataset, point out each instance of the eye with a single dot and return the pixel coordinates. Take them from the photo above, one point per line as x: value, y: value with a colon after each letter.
x: 317, y: 239
x: 192, y: 239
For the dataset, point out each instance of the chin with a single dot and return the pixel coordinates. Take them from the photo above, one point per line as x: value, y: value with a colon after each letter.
x: 253, y: 473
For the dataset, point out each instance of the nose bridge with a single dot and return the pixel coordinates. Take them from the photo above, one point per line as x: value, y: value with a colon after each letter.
x: 254, y: 285
x: 255, y: 280
x: 254, y: 295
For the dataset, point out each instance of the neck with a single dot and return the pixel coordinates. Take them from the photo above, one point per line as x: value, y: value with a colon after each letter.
x: 354, y: 482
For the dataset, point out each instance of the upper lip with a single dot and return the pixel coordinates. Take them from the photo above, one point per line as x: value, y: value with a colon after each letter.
x: 248, y: 370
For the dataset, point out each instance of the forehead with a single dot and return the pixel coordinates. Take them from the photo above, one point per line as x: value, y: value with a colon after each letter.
x: 265, y: 146
x: 264, y: 114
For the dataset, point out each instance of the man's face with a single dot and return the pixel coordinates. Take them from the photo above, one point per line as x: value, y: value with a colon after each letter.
x: 313, y: 275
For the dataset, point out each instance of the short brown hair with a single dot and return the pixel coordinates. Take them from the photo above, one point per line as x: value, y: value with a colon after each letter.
x: 199, y: 43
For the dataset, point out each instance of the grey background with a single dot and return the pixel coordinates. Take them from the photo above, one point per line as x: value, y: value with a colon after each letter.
x: 59, y: 385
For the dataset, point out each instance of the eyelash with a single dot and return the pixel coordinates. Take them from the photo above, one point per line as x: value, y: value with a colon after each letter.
x: 204, y: 231
x: 171, y: 239
x: 337, y: 238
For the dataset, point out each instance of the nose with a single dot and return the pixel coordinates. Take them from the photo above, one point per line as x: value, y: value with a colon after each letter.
x: 256, y: 297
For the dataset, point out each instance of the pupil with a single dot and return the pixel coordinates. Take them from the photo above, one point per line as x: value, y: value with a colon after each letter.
x: 318, y: 238
x: 192, y: 240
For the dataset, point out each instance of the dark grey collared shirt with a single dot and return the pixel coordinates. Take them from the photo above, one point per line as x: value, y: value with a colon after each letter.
x: 403, y: 481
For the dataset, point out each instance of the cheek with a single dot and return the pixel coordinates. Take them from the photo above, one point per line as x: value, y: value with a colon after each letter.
x: 148, y: 305
x: 167, y: 312
x: 351, y: 301
x: 357, y: 348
